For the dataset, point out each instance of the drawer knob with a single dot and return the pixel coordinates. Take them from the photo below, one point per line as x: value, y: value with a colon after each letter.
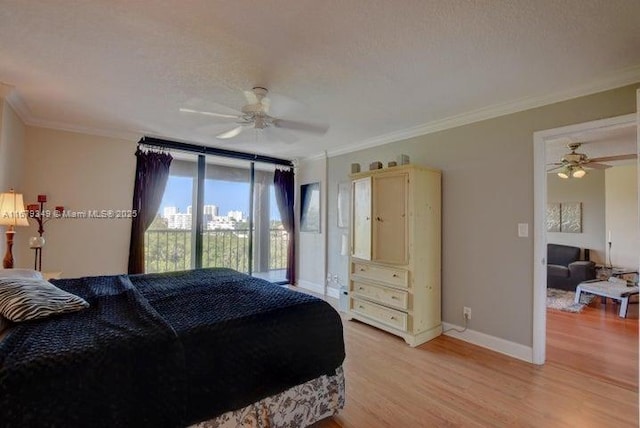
x: 360, y: 288
x: 394, y: 297
x: 395, y: 275
x: 361, y: 307
x: 361, y: 269
x: 393, y: 318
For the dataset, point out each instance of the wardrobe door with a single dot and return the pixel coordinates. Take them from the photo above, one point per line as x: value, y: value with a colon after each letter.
x: 361, y: 230
x: 389, y: 237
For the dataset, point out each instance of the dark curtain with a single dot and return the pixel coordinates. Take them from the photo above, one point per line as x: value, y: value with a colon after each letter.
x: 283, y: 183
x: 152, y: 173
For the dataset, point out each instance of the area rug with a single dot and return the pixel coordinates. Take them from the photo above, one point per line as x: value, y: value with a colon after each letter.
x: 564, y: 300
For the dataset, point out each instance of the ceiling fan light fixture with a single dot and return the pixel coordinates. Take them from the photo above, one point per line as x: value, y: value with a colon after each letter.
x: 565, y: 172
x: 578, y: 172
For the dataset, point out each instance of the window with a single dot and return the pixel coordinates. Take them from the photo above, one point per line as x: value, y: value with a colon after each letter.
x: 240, y: 225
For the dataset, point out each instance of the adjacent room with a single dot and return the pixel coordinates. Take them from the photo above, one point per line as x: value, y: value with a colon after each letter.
x: 286, y: 213
x: 592, y: 229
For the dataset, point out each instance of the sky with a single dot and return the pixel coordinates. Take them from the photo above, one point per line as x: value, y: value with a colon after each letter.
x: 226, y: 195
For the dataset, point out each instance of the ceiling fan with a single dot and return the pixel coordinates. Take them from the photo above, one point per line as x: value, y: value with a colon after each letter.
x: 255, y: 115
x: 572, y: 164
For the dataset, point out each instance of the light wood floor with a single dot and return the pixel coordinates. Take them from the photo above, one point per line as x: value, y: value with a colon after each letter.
x: 596, y: 342
x: 590, y: 379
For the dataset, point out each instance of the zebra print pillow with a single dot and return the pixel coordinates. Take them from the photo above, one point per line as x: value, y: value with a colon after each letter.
x: 23, y: 299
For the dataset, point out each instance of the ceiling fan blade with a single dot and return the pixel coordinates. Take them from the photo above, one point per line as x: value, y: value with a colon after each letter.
x: 209, y: 113
x: 293, y: 125
x: 555, y: 168
x: 614, y: 158
x: 595, y: 165
x: 230, y: 134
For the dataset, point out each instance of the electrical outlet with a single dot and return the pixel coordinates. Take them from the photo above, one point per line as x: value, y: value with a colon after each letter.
x: 466, y: 312
x: 329, y: 277
x: 335, y: 277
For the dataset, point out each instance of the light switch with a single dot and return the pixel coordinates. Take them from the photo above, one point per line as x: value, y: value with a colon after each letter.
x: 523, y: 230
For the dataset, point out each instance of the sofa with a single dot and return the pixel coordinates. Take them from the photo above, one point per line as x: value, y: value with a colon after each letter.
x: 565, y: 270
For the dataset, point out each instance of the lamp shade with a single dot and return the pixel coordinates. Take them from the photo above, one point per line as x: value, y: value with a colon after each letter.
x: 578, y: 172
x: 12, y: 212
x: 565, y: 172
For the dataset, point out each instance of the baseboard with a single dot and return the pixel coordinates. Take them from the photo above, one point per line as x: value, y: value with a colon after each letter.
x: 311, y: 286
x: 512, y: 349
x: 333, y: 292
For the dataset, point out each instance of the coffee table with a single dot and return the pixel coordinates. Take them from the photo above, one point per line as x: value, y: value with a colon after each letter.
x: 608, y: 289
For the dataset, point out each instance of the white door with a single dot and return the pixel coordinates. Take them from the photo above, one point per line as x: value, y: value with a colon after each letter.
x: 361, y: 230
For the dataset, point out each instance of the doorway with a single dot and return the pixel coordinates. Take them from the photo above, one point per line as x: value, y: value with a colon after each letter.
x: 541, y: 141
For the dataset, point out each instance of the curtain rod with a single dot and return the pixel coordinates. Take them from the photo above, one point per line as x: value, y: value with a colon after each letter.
x: 177, y: 145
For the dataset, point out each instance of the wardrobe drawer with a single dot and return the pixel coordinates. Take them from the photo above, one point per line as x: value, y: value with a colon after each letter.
x: 388, y: 275
x: 390, y: 317
x: 387, y: 296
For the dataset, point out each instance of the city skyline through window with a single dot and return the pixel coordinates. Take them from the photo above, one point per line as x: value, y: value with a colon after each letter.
x: 227, y: 197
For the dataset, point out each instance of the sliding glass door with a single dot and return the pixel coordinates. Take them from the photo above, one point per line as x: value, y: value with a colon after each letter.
x: 218, y: 212
x: 270, y: 240
x: 225, y: 231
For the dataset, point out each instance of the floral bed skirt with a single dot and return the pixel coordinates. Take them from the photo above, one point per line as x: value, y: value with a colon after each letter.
x: 296, y: 407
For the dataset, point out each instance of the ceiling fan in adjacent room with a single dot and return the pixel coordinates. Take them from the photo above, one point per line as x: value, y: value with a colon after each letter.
x: 573, y: 164
x: 255, y: 115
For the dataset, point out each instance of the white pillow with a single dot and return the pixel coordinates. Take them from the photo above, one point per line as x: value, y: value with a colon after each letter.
x: 20, y: 273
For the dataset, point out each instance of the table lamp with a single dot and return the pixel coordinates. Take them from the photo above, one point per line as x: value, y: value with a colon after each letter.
x: 12, y: 214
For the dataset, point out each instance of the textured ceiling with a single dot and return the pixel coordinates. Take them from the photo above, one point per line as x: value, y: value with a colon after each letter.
x: 367, y: 68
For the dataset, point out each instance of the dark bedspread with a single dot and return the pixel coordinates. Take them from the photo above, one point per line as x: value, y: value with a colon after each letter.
x: 164, y: 350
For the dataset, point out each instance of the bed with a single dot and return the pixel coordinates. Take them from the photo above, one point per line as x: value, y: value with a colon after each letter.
x: 204, y: 348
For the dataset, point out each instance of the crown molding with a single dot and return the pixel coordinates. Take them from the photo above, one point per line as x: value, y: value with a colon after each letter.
x: 10, y: 94
x: 317, y: 156
x: 621, y: 78
x: 17, y: 103
x: 98, y: 132
x: 19, y: 106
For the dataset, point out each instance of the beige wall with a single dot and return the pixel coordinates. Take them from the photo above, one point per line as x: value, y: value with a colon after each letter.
x: 590, y: 191
x: 311, y: 246
x: 622, y: 215
x: 12, y: 133
x: 487, y: 190
x: 80, y: 172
